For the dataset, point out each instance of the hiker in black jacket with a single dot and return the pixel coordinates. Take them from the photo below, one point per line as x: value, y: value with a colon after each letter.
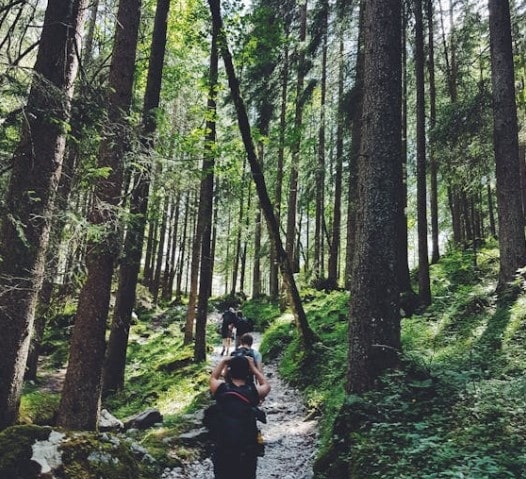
x: 236, y: 457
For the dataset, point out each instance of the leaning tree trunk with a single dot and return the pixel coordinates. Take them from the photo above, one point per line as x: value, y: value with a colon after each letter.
x: 374, y: 316
x: 80, y: 400
x: 306, y: 334
x: 512, y: 243
x: 113, y: 375
x: 26, y: 215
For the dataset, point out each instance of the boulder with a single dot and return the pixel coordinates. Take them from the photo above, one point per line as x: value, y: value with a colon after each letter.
x: 144, y: 419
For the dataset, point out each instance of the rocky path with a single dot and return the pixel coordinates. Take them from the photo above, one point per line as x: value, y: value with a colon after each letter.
x: 290, y: 435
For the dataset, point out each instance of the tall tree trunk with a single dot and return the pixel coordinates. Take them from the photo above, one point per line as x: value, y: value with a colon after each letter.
x: 307, y: 336
x: 256, y: 269
x: 319, y: 267
x: 512, y: 244
x: 274, y: 266
x: 334, y: 252
x: 239, y: 229
x: 433, y: 165
x: 206, y: 204
x: 156, y: 281
x: 182, y: 252
x: 374, y: 316
x: 195, y: 255
x: 424, y: 285
x: 404, y: 278
x: 298, y: 124
x: 80, y: 400
x: 114, y: 368
x: 356, y: 140
x: 26, y: 215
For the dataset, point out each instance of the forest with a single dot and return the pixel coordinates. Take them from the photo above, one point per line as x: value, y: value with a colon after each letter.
x: 349, y: 173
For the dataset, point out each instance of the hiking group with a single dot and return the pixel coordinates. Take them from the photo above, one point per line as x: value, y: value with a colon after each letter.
x: 238, y: 386
x: 233, y: 325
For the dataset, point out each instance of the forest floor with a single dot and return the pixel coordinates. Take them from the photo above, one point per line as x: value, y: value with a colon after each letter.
x: 290, y: 434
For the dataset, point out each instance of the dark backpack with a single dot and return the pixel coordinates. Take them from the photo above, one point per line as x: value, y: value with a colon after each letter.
x: 231, y: 421
x: 243, y: 325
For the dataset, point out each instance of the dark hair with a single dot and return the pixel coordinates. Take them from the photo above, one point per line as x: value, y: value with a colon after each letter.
x: 247, y: 339
x: 239, y: 367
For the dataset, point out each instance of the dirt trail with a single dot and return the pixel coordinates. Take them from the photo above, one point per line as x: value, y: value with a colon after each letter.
x: 290, y: 435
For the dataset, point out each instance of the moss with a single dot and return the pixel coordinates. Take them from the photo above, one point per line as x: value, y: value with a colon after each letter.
x: 90, y: 457
x: 16, y: 451
x: 38, y: 407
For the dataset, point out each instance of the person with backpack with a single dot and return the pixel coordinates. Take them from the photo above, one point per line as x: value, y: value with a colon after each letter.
x: 233, y: 426
x: 228, y: 320
x: 242, y: 325
x: 245, y: 349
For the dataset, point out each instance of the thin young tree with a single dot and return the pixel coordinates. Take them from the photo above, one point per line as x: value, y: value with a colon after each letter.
x: 433, y: 163
x: 80, y: 399
x: 424, y: 285
x: 512, y: 244
x: 26, y: 215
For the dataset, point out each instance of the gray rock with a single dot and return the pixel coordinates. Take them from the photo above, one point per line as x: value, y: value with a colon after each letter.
x: 145, y: 419
x: 108, y: 422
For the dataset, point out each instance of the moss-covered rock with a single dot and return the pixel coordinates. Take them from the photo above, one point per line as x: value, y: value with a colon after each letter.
x: 16, y: 451
x: 31, y: 452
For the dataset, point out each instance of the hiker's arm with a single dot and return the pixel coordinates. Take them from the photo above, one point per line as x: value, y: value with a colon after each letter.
x: 263, y: 386
x: 215, y: 377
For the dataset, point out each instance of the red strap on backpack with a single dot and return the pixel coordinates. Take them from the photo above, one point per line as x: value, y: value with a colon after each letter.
x: 236, y: 394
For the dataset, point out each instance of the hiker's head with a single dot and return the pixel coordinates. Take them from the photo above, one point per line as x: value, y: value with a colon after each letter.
x: 240, y: 314
x: 239, y: 367
x: 247, y: 340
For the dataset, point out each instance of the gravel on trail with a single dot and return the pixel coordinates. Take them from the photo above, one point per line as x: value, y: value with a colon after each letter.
x: 290, y: 434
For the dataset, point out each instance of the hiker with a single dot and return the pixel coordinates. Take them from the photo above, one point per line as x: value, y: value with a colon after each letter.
x: 228, y: 321
x: 243, y: 325
x: 236, y: 445
x: 245, y: 349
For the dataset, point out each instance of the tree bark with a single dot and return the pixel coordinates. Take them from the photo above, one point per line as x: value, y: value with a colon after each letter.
x: 512, y: 244
x: 26, y: 215
x: 206, y: 204
x: 292, y: 203
x: 80, y: 400
x: 433, y: 164
x: 334, y: 251
x: 115, y: 362
x: 356, y: 140
x: 374, y: 317
x: 424, y: 285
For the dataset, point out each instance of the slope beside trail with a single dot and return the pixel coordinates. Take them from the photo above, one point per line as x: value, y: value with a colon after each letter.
x: 290, y: 434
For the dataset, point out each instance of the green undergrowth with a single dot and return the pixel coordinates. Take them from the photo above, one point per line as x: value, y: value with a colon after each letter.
x: 456, y: 406
x: 454, y: 409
